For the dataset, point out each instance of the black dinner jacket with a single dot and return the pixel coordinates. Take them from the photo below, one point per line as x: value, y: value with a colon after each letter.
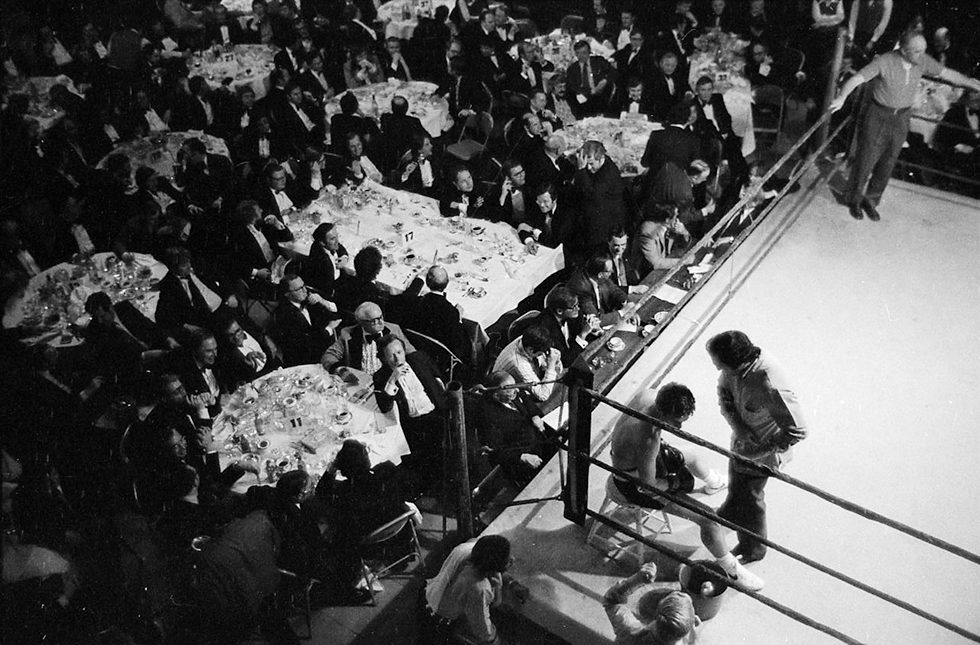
x: 247, y: 252
x: 183, y: 365
x: 505, y: 213
x: 282, y: 61
x: 575, y: 84
x: 663, y: 101
x: 706, y: 129
x: 517, y: 82
x: 540, y: 169
x: 611, y: 297
x: 569, y: 348
x: 342, y: 125
x: 414, y: 181
x: 640, y: 67
x: 301, y: 342
x: 436, y: 317
x: 175, y: 309
x: 319, y: 269
x: 397, y: 134
x: 679, y: 145
x: 428, y: 375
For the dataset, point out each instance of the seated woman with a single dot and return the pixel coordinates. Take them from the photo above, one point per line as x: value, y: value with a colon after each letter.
x: 364, y: 286
x: 416, y: 170
x: 362, y: 501
x: 362, y: 68
x: 359, y: 166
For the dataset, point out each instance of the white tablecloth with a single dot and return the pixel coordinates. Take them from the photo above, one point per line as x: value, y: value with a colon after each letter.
x: 432, y: 111
x: 397, y: 24
x: 244, y: 64
x: 60, y: 292
x: 932, y: 100
x: 624, y: 139
x: 159, y: 151
x: 238, y: 6
x: 38, y: 88
x: 302, y: 404
x: 489, y: 259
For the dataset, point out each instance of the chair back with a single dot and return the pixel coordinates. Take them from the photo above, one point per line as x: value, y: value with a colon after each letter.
x: 485, y: 126
x: 388, y: 530
x: 768, y: 96
x: 445, y: 360
x: 521, y: 323
x: 525, y: 29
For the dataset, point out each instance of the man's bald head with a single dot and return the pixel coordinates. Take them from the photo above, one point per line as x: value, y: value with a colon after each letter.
x: 554, y: 144
x: 437, y: 279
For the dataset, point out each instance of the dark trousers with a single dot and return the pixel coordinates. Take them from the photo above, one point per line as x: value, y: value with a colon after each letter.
x: 881, y: 133
x: 746, y: 506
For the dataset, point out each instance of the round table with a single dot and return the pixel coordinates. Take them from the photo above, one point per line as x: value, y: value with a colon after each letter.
x: 299, y: 417
x: 38, y: 90
x: 558, y: 48
x: 56, y: 296
x: 401, y: 16
x: 432, y: 111
x: 245, y: 64
x: 159, y: 151
x: 625, y: 140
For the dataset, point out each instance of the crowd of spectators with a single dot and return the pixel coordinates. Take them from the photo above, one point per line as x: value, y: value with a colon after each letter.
x: 108, y: 455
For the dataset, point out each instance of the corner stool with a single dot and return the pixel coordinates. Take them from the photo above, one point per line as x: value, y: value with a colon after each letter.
x: 645, y: 521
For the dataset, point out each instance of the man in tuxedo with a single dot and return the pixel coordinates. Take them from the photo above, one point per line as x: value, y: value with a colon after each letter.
x: 656, y: 243
x: 684, y: 189
x: 297, y: 128
x: 409, y: 379
x: 398, y: 130
x: 714, y: 124
x: 677, y: 39
x: 531, y: 74
x: 627, y: 26
x: 185, y: 299
x: 356, y: 346
x: 458, y: 199
x: 590, y: 82
x: 635, y: 101
x: 570, y: 332
x: 313, y: 81
x: 196, y: 367
x: 549, y: 223
x: 538, y: 106
x: 349, y: 120
x: 674, y: 143
x: 597, y: 295
x: 244, y: 352
x: 288, y: 59
x: 549, y: 165
x: 328, y: 260
x: 510, y: 200
x: 633, y: 62
x: 720, y: 17
x: 303, y: 323
x: 274, y: 195
x: 528, y: 140
x: 667, y: 86
x: 393, y: 63
x: 433, y: 315
x: 466, y: 93
x: 254, y: 242
x: 494, y: 68
x: 221, y: 30
x: 200, y: 114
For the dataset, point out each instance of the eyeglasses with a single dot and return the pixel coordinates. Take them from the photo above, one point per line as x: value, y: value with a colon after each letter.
x: 302, y: 286
x: 372, y: 321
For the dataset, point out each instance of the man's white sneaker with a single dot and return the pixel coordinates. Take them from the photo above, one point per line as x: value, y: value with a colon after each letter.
x: 745, y: 579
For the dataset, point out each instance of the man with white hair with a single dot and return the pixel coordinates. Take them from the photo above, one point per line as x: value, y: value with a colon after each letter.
x: 547, y: 165
x: 357, y: 346
x: 882, y: 129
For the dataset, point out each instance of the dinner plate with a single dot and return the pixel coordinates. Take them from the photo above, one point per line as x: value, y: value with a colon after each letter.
x: 616, y: 345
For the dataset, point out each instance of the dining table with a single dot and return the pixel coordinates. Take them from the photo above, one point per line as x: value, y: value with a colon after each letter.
x: 245, y: 65
x: 625, y: 139
x: 721, y: 57
x: 52, y: 306
x: 298, y: 418
x: 375, y: 100
x: 159, y: 150
x: 558, y: 48
x: 38, y: 90
x: 490, y: 270
x: 401, y: 17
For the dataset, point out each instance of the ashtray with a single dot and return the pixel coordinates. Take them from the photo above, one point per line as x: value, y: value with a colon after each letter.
x: 342, y: 418
x: 476, y: 292
x: 478, y: 230
x: 249, y: 402
x: 616, y: 345
x: 289, y: 402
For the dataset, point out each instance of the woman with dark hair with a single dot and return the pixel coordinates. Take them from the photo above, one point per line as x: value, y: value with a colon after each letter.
x: 327, y: 262
x: 470, y: 582
x: 416, y: 171
x: 359, y: 166
x: 363, y: 286
x: 362, y: 501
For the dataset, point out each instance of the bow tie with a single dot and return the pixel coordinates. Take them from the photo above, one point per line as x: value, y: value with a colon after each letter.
x: 371, y: 338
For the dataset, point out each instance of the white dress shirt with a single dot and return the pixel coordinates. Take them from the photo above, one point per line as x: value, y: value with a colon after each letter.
x: 282, y: 200
x: 418, y: 401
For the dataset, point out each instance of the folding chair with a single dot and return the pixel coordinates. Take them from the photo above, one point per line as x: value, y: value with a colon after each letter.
x: 521, y: 323
x: 442, y: 355
x: 384, y: 533
x: 767, y: 110
x: 468, y: 148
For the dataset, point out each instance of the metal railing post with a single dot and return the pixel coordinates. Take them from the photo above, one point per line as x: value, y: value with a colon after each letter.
x: 580, y: 378
x: 460, y: 463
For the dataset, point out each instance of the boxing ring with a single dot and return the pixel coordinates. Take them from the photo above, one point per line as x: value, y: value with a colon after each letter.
x: 877, y: 326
